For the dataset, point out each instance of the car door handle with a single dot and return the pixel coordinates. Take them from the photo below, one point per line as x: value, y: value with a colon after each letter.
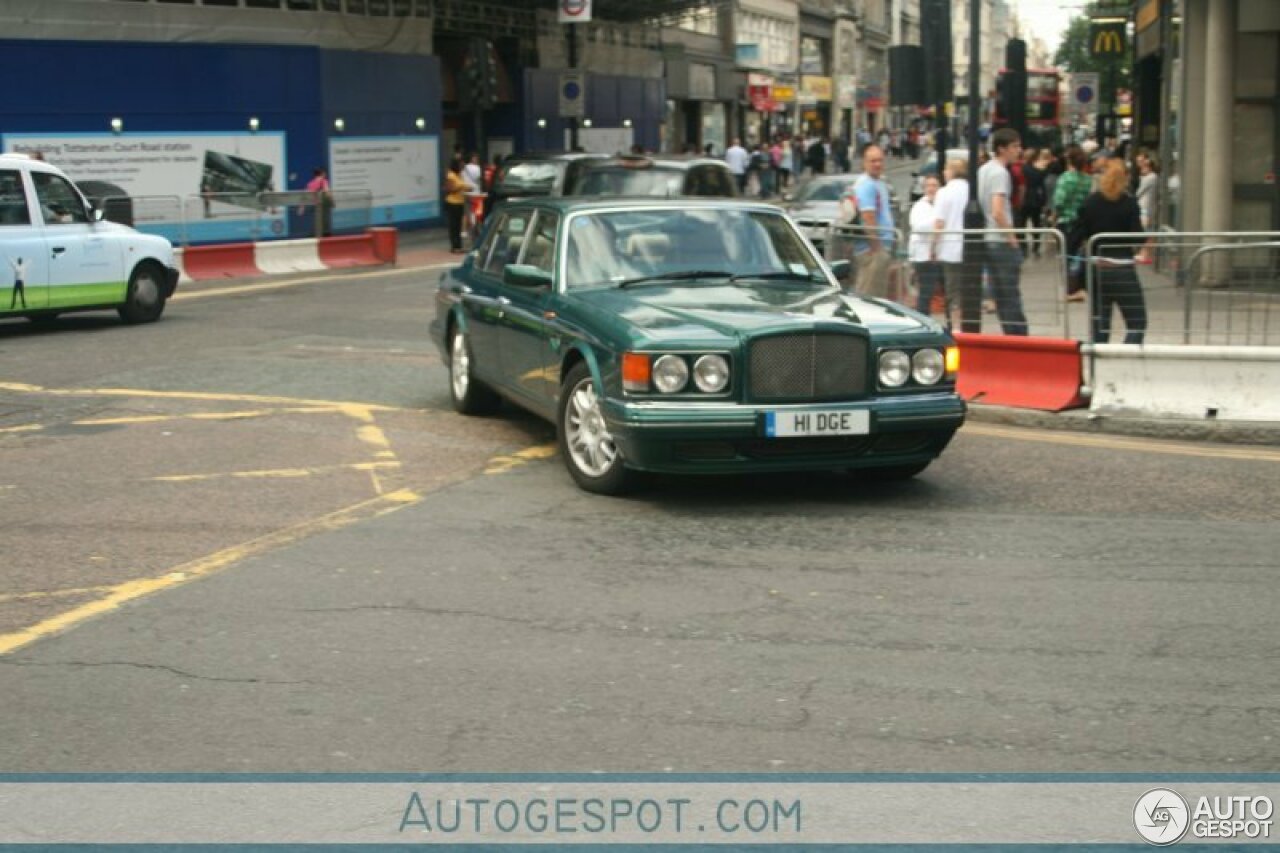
x: 503, y: 301
x: 459, y: 290
x: 58, y: 250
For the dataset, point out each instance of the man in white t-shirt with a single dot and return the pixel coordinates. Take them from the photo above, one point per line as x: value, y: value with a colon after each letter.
x: 964, y: 297
x: 738, y: 159
x: 1004, y: 254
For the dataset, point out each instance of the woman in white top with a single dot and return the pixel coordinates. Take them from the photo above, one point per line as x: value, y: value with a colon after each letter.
x: 964, y: 292
x: 920, y: 248
x: 1146, y: 195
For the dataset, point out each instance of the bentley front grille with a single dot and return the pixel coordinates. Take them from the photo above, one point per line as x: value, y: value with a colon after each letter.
x: 796, y: 368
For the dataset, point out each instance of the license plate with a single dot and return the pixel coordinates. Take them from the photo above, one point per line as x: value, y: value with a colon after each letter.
x: 836, y: 422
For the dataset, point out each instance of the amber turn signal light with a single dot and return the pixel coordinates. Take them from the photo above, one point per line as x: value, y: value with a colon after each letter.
x: 636, y: 371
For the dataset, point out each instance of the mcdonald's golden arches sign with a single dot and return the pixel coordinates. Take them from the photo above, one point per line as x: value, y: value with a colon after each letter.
x: 1107, y: 39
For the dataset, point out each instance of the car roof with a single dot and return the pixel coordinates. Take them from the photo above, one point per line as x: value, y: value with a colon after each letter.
x: 15, y: 158
x: 575, y: 204
x: 549, y: 156
x: 662, y: 161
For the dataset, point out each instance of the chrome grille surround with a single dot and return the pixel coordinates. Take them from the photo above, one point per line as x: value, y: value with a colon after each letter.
x: 808, y: 366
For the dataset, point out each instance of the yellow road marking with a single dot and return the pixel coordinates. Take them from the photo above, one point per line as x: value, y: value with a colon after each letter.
x: 300, y: 282
x: 1144, y: 445
x: 276, y: 473
x: 502, y: 464
x: 23, y: 428
x: 23, y: 388
x: 52, y: 593
x: 204, y: 566
x: 204, y: 416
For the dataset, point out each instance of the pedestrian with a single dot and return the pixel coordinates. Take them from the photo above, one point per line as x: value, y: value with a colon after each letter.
x: 873, y: 249
x: 473, y: 174
x: 840, y: 154
x: 920, y: 248
x: 1031, y: 214
x: 492, y: 174
x: 455, y: 199
x: 816, y: 156
x: 1072, y: 189
x: 1004, y: 257
x: 1111, y: 210
x: 786, y: 163
x: 323, y: 196
x: 964, y: 292
x: 738, y: 160
x: 1148, y: 184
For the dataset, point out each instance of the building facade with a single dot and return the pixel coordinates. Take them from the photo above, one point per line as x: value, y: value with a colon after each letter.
x: 1208, y: 99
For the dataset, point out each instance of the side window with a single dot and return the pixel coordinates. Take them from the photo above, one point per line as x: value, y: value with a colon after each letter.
x: 710, y: 181
x: 540, y: 248
x: 13, y: 199
x: 490, y: 237
x: 59, y: 202
x: 508, y: 238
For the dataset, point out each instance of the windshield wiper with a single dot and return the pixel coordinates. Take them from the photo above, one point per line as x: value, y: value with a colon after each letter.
x: 683, y: 275
x: 779, y: 275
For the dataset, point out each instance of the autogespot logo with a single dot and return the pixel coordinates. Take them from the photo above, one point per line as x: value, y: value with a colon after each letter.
x: 1161, y: 816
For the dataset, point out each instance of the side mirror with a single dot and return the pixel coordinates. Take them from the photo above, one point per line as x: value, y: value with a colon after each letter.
x: 525, y: 275
x: 841, y: 269
x: 96, y: 214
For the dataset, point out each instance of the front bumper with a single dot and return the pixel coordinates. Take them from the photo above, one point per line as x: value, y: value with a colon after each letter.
x: 728, y: 437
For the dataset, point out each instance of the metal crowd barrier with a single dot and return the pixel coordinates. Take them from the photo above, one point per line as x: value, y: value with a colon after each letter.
x: 1036, y: 305
x: 237, y: 217
x: 1199, y: 288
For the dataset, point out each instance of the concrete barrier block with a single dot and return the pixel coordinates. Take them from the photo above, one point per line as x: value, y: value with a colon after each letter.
x: 1223, y: 383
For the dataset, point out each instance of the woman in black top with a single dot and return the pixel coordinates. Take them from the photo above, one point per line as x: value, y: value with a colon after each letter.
x: 1112, y: 210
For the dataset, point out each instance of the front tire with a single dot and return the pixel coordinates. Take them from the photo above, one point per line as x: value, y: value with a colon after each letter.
x: 587, y: 447
x: 144, y: 302
x: 469, y: 395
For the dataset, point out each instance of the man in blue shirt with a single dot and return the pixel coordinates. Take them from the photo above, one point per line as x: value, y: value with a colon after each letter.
x: 873, y: 249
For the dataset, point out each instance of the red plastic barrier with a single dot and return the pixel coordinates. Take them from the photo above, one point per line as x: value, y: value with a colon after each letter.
x: 1023, y: 372
x: 228, y: 260
x: 354, y: 251
x: 385, y: 243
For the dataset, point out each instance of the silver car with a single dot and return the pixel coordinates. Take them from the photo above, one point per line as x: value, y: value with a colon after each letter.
x: 815, y: 204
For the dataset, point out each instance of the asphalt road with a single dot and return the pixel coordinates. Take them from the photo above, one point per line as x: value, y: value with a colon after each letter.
x: 253, y: 537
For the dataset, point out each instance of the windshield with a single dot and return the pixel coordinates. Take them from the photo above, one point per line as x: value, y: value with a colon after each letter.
x: 821, y: 191
x: 533, y: 178
x: 620, y: 246
x: 622, y: 181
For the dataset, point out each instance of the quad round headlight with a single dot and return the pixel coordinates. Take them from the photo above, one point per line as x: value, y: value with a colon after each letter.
x: 670, y: 374
x: 928, y: 366
x: 711, y: 374
x: 895, y: 368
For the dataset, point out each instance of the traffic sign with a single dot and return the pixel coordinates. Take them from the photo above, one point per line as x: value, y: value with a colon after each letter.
x: 574, y: 11
x: 572, y: 94
x: 1084, y: 91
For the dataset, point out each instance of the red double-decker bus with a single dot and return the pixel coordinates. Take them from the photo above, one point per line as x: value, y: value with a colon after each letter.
x: 1044, y: 104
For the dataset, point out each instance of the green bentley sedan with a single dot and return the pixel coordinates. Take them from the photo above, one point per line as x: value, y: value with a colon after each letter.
x: 691, y: 336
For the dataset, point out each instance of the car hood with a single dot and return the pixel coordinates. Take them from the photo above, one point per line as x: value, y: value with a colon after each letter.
x: 825, y: 210
x: 696, y: 312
